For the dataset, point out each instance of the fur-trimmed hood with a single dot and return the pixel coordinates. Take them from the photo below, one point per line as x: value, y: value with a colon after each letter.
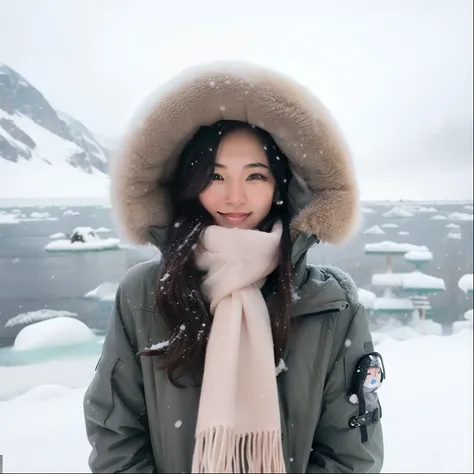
x: 324, y: 188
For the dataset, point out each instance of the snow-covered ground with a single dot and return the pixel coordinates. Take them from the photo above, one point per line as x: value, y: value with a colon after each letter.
x: 427, y: 416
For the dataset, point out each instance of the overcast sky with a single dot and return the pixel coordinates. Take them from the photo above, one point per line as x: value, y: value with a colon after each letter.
x: 396, y: 74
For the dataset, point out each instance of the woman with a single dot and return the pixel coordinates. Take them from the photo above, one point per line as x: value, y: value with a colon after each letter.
x: 231, y: 354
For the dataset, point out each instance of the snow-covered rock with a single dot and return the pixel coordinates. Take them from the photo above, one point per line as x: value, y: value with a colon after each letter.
x: 39, y: 315
x: 84, y: 234
x: 465, y: 283
x: 460, y: 216
x: 104, y: 292
x: 58, y: 235
x: 38, y: 216
x: 454, y: 236
x: 61, y: 331
x: 398, y: 212
x: 70, y: 212
x: 453, y: 226
x: 7, y: 218
x: 375, y: 230
x: 83, y: 239
x: 93, y: 245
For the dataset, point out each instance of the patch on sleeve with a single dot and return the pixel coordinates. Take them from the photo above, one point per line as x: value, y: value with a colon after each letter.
x: 368, y: 377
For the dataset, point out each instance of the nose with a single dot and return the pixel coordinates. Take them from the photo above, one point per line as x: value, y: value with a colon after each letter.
x: 235, y: 194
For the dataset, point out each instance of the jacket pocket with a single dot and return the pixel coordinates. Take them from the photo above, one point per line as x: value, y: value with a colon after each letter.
x: 100, y: 392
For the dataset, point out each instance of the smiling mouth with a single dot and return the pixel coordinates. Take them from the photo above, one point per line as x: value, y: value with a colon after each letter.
x: 235, y: 217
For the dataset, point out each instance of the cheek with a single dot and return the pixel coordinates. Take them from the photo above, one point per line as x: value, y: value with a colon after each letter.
x: 263, y: 196
x: 210, y: 198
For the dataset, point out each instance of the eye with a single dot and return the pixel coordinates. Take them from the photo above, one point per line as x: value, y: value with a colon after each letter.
x: 217, y: 177
x: 257, y: 177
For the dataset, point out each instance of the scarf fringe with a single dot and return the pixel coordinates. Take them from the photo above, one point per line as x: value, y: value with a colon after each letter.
x: 220, y: 449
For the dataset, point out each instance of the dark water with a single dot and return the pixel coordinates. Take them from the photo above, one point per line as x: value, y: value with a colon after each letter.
x: 32, y: 279
x: 451, y: 258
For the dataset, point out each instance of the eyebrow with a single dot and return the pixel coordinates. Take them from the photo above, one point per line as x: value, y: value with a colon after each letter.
x: 250, y: 165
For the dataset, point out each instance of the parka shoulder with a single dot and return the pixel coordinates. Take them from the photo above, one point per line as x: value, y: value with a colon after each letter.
x: 139, y: 285
x: 332, y: 291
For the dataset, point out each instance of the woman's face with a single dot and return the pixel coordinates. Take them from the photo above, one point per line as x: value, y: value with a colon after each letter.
x: 242, y: 188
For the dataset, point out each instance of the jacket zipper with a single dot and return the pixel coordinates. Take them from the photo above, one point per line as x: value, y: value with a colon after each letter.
x: 336, y: 307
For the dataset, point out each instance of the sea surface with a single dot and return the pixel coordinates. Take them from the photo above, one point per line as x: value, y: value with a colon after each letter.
x: 33, y: 279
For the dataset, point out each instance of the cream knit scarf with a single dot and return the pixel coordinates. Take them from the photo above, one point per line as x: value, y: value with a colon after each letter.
x: 238, y: 426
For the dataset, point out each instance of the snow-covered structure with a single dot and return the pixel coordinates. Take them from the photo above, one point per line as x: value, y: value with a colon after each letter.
x: 390, y: 250
x: 405, y: 295
x: 465, y: 284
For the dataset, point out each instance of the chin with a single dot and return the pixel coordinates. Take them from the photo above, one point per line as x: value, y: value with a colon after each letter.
x: 237, y: 226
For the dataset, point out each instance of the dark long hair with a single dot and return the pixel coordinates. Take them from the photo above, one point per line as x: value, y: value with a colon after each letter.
x: 179, y: 300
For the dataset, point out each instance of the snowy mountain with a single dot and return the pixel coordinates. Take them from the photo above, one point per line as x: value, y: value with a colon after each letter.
x: 82, y: 136
x: 45, y: 153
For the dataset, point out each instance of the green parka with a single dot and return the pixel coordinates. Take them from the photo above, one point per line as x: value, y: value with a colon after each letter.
x: 136, y: 420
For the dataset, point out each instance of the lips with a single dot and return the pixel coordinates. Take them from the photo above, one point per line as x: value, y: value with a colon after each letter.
x: 235, y: 217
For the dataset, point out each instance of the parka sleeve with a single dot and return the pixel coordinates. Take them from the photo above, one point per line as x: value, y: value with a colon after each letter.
x: 114, y: 403
x: 336, y: 446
